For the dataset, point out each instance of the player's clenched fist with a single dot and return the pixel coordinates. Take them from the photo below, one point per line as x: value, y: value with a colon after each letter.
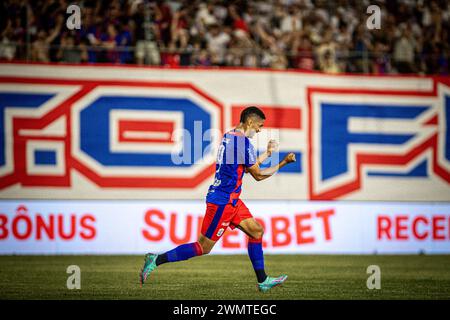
x: 290, y: 158
x: 272, y: 146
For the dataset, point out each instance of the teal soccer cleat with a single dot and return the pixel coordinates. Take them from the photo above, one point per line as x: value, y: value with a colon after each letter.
x: 271, y: 282
x: 149, y: 266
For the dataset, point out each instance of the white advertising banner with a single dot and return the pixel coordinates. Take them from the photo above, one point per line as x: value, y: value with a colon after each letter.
x: 291, y: 227
x: 122, y: 132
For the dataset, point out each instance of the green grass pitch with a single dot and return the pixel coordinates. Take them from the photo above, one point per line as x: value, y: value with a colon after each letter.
x: 226, y: 277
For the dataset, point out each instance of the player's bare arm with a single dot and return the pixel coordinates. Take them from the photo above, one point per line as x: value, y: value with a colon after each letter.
x: 259, y: 174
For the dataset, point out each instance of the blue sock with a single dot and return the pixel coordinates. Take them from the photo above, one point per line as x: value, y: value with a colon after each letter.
x: 255, y: 252
x: 180, y: 253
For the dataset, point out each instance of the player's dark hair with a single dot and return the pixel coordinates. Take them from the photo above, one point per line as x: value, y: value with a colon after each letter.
x: 249, y: 111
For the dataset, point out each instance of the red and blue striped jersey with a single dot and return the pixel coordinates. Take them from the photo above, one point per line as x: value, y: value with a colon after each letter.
x: 235, y: 153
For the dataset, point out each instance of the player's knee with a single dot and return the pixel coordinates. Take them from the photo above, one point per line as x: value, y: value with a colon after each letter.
x: 258, y: 231
x: 260, y: 234
x: 206, y: 248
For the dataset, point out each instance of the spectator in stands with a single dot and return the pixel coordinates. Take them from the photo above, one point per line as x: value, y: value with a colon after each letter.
x: 7, y: 43
x: 303, y: 53
x: 361, y: 48
x: 217, y: 41
x: 328, y: 63
x: 201, y: 55
x: 205, y: 17
x: 146, y: 50
x: 124, y: 41
x: 163, y: 19
x: 380, y: 59
x: 109, y: 41
x: 202, y: 58
x: 41, y: 46
x: 70, y: 52
x: 292, y: 21
x: 404, y: 49
x: 180, y: 35
x: 278, y: 60
x: 326, y: 53
x: 170, y: 58
x: 180, y: 27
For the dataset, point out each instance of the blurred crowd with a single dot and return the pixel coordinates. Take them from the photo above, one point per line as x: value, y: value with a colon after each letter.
x: 331, y: 36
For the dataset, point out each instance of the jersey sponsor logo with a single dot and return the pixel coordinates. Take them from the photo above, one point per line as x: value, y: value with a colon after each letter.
x: 116, y: 134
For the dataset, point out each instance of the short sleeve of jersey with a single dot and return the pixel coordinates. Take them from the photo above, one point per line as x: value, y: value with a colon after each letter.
x: 249, y: 154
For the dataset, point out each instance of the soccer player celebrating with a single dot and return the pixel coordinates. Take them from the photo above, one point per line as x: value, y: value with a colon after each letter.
x: 224, y: 209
